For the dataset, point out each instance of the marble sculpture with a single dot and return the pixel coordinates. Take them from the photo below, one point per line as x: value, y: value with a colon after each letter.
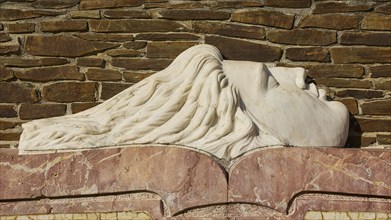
x: 201, y: 101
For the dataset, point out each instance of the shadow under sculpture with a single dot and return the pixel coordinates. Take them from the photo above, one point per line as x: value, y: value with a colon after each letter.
x: 201, y: 101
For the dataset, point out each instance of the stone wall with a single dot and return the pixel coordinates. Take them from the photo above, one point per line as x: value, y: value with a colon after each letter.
x: 61, y: 57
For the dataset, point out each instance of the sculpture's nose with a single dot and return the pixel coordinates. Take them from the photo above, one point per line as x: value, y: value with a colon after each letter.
x: 300, y: 80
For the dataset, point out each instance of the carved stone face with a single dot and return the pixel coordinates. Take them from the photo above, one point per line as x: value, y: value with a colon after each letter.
x: 280, y: 99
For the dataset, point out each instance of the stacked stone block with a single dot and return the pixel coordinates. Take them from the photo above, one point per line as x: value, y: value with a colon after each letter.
x: 62, y: 57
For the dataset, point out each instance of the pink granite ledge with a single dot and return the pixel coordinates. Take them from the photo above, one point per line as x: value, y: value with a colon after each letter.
x: 182, y: 178
x: 274, y: 177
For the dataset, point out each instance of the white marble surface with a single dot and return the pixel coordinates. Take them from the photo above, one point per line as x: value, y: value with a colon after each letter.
x: 219, y: 106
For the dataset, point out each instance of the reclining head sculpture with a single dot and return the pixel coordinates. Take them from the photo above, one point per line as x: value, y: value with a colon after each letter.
x: 201, y: 101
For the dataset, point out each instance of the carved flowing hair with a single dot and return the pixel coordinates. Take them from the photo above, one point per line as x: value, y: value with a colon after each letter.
x: 189, y: 103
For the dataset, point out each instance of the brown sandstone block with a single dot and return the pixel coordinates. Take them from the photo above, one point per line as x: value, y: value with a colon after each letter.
x: 78, y: 107
x: 176, y: 14
x: 91, y: 62
x: 126, y: 14
x: 384, y: 138
x: 360, y: 94
x: 20, y: 28
x: 35, y: 111
x: 21, y: 62
x: 381, y: 107
x: 111, y: 89
x: 136, y: 45
x: 63, y: 26
x: 10, y: 136
x: 103, y: 74
x: 134, y: 26
x: 58, y: 45
x: 229, y: 30
x: 45, y: 74
x: 384, y: 8
x: 308, y: 54
x: 55, y: 4
x: 163, y: 37
x: 94, y: 4
x: 263, y: 17
x: 106, y: 37
x: 17, y: 92
x: 124, y: 53
x: 330, y: 21
x: 141, y: 64
x: 16, y: 14
x: 4, y: 37
x: 7, y: 111
x: 366, y: 38
x: 302, y: 37
x: 288, y: 3
x: 135, y: 77
x: 345, y: 83
x: 332, y: 71
x: 7, y: 124
x: 351, y: 104
x: 374, y: 124
x: 6, y: 74
x: 380, y: 71
x: 383, y: 84
x: 167, y: 49
x: 361, y: 55
x: 376, y: 22
x: 85, y: 14
x: 70, y: 92
x: 233, y: 49
x: 11, y: 47
x: 335, y: 7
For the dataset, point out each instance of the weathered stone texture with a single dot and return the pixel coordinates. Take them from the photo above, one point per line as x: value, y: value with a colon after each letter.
x: 380, y: 71
x: 91, y: 62
x: 384, y: 138
x: 7, y: 125
x: 383, y: 84
x: 377, y: 22
x: 233, y: 49
x: 141, y: 64
x: 134, y: 26
x: 55, y: 3
x: 126, y: 14
x: 160, y: 37
x: 46, y: 74
x: 63, y: 26
x: 309, y: 53
x: 70, y: 92
x: 35, y: 111
x: 20, y: 62
x: 20, y: 28
x: 16, y: 14
x: 85, y: 14
x: 94, y: 4
x: 10, y: 136
x: 302, y: 37
x: 6, y: 74
x: 384, y: 8
x: 360, y: 94
x: 288, y: 3
x: 263, y: 17
x: 136, y: 45
x: 345, y: 83
x: 4, y: 37
x: 7, y: 111
x: 381, y: 107
x: 340, y: 6
x: 351, y: 104
x: 98, y: 74
x: 11, y: 47
x: 124, y: 53
x: 78, y: 107
x: 111, y: 89
x: 374, y: 124
x: 361, y: 54
x: 366, y: 38
x: 229, y: 30
x: 330, y: 21
x: 135, y: 77
x: 106, y: 37
x: 167, y: 49
x: 175, y: 14
x: 17, y: 92
x: 333, y: 71
x: 58, y: 45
